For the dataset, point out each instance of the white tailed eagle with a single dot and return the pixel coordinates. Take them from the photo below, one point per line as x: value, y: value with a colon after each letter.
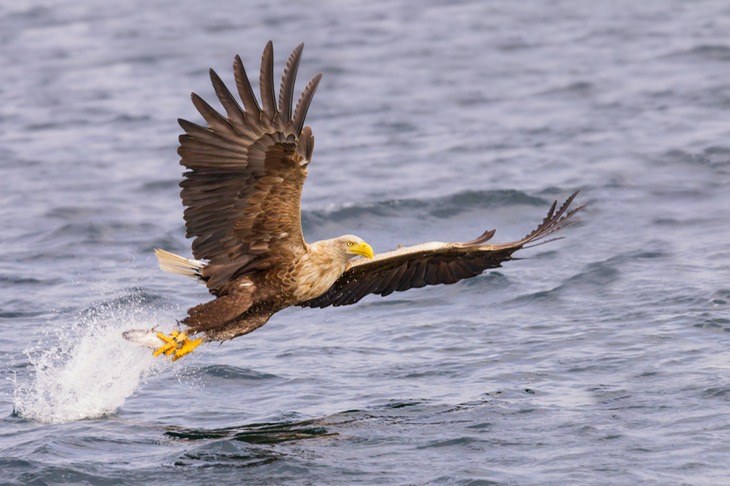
x: 242, y: 192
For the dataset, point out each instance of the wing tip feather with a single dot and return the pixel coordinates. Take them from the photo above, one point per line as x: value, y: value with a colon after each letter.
x: 288, y: 79
x: 555, y: 220
x: 266, y: 81
x: 305, y: 100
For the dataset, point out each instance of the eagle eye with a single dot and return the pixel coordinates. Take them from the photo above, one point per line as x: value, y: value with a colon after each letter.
x: 350, y: 243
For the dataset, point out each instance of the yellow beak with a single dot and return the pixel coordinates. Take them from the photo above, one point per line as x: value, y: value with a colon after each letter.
x: 362, y: 249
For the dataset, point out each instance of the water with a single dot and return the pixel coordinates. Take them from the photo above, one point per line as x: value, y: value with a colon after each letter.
x: 601, y: 358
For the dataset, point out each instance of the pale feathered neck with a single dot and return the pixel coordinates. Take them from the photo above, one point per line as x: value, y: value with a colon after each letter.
x: 318, y: 269
x: 328, y: 253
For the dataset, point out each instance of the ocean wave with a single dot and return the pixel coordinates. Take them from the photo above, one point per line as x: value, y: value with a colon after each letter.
x: 708, y: 52
x: 439, y: 207
x: 258, y: 433
x: 227, y: 372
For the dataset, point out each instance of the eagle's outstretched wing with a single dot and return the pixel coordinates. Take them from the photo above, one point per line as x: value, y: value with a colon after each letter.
x: 243, y: 186
x: 433, y: 263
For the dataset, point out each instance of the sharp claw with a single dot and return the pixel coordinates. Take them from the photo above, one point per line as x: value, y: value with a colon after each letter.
x: 169, y: 345
x: 176, y: 343
x: 164, y: 349
x: 186, y: 347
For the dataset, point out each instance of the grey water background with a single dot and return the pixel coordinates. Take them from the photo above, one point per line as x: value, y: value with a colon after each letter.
x: 598, y: 359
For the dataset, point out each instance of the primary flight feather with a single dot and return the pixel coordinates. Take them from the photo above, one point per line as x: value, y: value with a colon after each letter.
x: 242, y: 192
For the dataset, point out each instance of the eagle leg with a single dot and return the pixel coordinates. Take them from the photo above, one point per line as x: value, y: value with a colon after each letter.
x: 177, y: 344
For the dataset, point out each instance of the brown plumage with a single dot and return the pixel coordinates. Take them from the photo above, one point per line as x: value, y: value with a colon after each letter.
x: 242, y: 192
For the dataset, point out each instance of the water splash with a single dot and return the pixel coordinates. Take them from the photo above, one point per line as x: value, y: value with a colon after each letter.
x: 86, y: 370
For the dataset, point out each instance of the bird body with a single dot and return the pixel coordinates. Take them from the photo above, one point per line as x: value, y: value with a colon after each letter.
x: 245, y: 303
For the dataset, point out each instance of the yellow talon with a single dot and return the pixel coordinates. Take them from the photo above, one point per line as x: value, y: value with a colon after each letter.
x: 169, y: 346
x: 186, y: 347
x: 178, y: 343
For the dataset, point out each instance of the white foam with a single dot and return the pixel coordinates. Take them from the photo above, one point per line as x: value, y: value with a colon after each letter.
x: 86, y: 369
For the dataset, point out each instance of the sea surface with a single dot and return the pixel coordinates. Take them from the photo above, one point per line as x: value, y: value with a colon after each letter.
x: 602, y: 358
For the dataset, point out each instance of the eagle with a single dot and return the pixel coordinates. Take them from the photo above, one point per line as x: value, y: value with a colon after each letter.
x: 242, y: 195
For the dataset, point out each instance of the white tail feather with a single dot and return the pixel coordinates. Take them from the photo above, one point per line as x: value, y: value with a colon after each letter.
x: 169, y: 262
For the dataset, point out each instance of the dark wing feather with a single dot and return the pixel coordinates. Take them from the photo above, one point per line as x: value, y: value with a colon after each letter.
x: 243, y: 185
x: 433, y: 263
x: 266, y: 80
x: 286, y: 91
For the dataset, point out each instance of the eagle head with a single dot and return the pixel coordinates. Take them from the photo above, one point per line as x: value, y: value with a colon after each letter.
x: 353, y: 246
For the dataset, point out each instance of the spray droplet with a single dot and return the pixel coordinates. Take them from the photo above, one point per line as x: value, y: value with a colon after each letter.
x: 87, y: 370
